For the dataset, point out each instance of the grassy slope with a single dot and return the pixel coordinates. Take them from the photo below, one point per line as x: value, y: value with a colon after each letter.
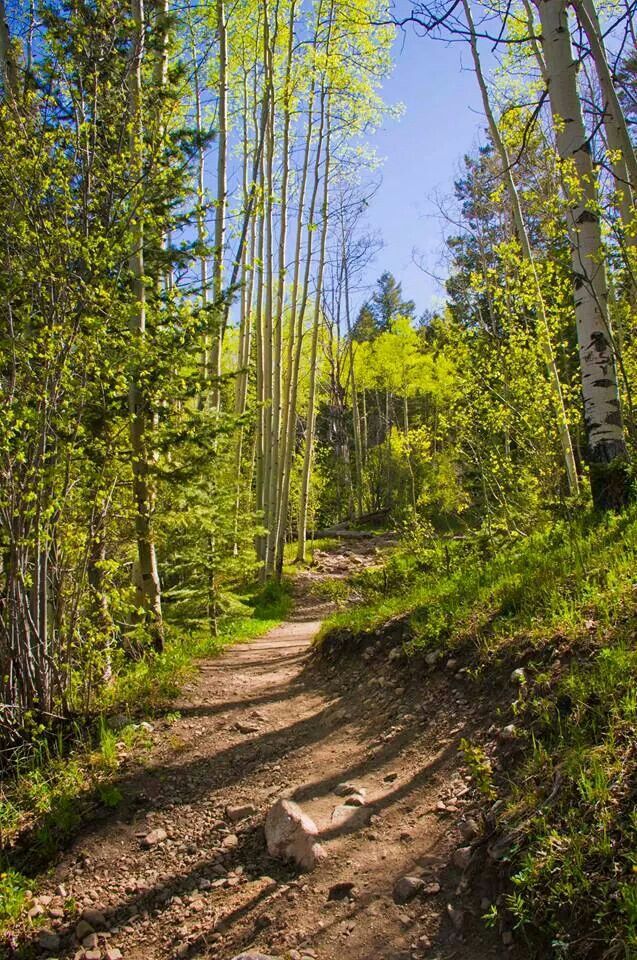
x: 57, y: 787
x: 562, y: 604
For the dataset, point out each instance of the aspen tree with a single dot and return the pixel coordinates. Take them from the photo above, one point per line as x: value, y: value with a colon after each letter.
x: 311, y: 408
x: 607, y: 452
x: 523, y: 239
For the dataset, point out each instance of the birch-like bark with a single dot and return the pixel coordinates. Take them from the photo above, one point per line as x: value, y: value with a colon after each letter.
x: 221, y: 199
x: 602, y: 410
x: 147, y: 577
x: 624, y: 162
x: 8, y: 65
x: 523, y: 238
x: 311, y: 409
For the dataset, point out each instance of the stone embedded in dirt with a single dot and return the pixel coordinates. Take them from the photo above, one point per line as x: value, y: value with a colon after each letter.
x: 154, y: 837
x: 451, y: 664
x: 345, y: 789
x: 518, y: 676
x: 509, y: 732
x: 93, y: 954
x: 395, y: 653
x: 292, y: 835
x: 48, y: 940
x: 231, y: 842
x: 243, y: 726
x: 83, y: 929
x: 94, y: 917
x: 462, y: 857
x: 355, y: 800
x: 342, y: 890
x: 254, y: 956
x: 390, y: 777
x: 240, y: 812
x: 431, y: 889
x: 469, y: 829
x: 406, y: 888
x: 456, y: 916
x: 112, y: 953
x: 432, y: 658
x: 90, y: 942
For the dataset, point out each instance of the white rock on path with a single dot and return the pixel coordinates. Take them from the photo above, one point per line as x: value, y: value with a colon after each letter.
x: 292, y: 835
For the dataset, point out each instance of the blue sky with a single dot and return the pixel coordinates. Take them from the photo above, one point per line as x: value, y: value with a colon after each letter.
x: 422, y: 154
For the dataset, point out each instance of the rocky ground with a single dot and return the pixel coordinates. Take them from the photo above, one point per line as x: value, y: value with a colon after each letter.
x: 367, y: 745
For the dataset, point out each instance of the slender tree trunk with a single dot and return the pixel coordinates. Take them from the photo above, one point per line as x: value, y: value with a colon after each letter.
x: 147, y: 575
x: 607, y: 453
x: 311, y: 411
x: 222, y: 190
x: 523, y: 238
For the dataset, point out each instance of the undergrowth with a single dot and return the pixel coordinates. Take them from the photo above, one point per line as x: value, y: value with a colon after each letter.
x: 562, y: 602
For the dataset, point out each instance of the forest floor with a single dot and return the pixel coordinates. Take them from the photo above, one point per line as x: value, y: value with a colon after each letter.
x: 170, y: 873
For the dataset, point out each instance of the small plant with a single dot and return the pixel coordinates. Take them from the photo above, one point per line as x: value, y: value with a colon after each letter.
x: 479, y: 767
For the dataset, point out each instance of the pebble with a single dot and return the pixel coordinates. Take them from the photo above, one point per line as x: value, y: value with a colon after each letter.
x: 112, y: 953
x: 406, y: 888
x: 48, y: 940
x: 154, y: 837
x: 355, y: 800
x: 83, y: 929
x: 231, y: 842
x: 462, y: 857
x: 469, y: 829
x: 518, y: 676
x: 345, y: 789
x: 94, y: 917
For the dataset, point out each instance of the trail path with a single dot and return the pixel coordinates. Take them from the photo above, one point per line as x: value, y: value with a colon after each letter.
x: 266, y: 719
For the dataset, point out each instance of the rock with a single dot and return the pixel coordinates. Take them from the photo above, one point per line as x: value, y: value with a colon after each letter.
x: 244, y: 726
x: 292, y: 835
x: 406, y: 888
x: 341, y: 891
x: 112, y: 953
x: 355, y: 800
x: 395, y: 653
x: 94, y: 917
x: 456, y: 916
x: 154, y: 837
x: 48, y: 940
x: 462, y: 857
x: 240, y: 812
x: 431, y: 889
x: 451, y: 664
x: 231, y: 842
x: 509, y: 732
x: 390, y: 777
x: 94, y: 954
x: 82, y: 930
x: 469, y: 829
x: 145, y: 726
x: 518, y: 676
x: 346, y: 789
x: 432, y: 658
x: 254, y: 956
x: 118, y: 722
x: 90, y: 942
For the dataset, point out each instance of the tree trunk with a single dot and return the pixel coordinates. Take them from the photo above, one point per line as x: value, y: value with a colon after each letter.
x: 148, y: 576
x: 607, y: 453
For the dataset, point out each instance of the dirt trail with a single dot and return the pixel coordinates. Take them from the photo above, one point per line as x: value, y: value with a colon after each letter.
x: 266, y: 719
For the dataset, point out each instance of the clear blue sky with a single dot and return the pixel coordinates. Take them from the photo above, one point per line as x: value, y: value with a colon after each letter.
x: 423, y: 150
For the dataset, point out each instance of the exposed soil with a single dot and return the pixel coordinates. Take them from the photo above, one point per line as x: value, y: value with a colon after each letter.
x: 273, y: 718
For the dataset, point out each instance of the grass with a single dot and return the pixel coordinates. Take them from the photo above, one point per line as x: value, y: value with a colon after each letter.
x: 562, y: 602
x: 57, y: 787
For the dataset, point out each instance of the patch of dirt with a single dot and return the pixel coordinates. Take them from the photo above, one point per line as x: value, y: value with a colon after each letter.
x: 275, y: 718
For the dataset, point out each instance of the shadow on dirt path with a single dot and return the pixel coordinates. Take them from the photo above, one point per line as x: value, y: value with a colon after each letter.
x: 177, y: 872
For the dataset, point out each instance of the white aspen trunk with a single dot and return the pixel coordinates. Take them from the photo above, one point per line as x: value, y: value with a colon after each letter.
x: 607, y: 452
x: 147, y: 574
x: 311, y: 410
x: 202, y: 235
x: 295, y: 339
x: 278, y: 426
x: 624, y: 163
x: 221, y: 200
x: 358, y: 452
x: 523, y: 237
